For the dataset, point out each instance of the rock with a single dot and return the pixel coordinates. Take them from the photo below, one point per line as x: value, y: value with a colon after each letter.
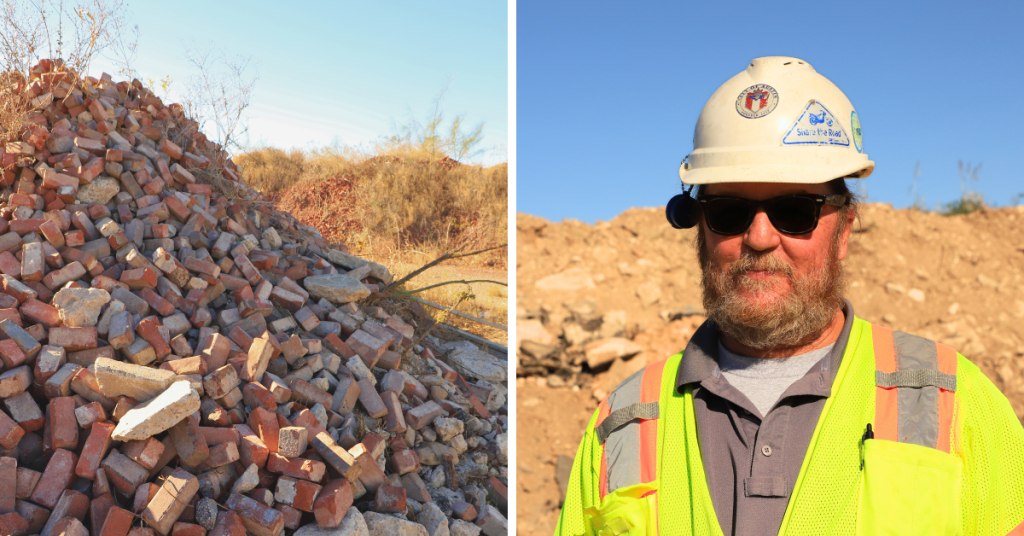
x: 533, y: 330
x: 352, y: 525
x: 352, y: 262
x: 987, y: 281
x: 447, y: 427
x: 953, y: 308
x: 272, y: 238
x: 206, y: 513
x: 464, y: 528
x: 586, y: 314
x: 478, y: 364
x: 337, y: 288
x: 432, y: 453
x: 385, y: 525
x: 100, y: 190
x: 248, y: 481
x: 607, y: 350
x: 434, y: 520
x: 569, y: 280
x: 916, y: 294
x: 80, y: 307
x: 146, y: 420
x: 501, y: 440
x: 893, y: 288
x: 649, y: 293
x: 491, y: 522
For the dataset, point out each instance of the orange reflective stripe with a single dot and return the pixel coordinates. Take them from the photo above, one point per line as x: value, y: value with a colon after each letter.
x: 650, y: 391
x: 947, y: 399
x: 1017, y: 531
x: 601, y: 416
x: 886, y: 402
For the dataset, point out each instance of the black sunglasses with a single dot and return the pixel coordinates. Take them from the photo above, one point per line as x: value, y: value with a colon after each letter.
x: 795, y: 214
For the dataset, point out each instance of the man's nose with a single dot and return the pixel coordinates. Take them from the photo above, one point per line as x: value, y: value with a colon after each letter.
x: 761, y: 235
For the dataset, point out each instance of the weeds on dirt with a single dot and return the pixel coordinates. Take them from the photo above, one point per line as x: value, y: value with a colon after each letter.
x: 970, y: 199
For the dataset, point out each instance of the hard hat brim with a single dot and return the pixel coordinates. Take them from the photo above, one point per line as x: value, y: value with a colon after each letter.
x: 780, y: 173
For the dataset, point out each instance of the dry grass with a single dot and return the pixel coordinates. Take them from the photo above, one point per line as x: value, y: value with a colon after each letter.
x: 403, y: 207
x: 394, y: 204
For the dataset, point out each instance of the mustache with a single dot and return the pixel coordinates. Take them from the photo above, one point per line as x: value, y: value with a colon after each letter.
x: 761, y: 262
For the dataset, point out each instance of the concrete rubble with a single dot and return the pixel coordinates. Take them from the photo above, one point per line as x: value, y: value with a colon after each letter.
x: 178, y: 360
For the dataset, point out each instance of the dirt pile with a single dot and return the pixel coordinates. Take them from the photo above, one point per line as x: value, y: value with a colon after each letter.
x: 179, y: 357
x: 598, y: 302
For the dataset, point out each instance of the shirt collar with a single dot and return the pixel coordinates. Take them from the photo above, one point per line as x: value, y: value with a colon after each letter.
x: 700, y: 358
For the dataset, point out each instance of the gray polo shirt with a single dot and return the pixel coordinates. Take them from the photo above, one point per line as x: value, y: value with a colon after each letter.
x: 752, y: 463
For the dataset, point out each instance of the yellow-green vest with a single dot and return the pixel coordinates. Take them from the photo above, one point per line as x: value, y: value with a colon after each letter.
x: 966, y: 479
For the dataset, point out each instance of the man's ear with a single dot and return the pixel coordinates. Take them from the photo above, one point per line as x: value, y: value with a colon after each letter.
x: 844, y: 238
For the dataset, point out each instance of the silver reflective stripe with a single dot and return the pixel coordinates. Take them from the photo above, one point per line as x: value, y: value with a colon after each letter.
x: 917, y: 381
x: 622, y: 448
x: 617, y: 418
x: 915, y: 378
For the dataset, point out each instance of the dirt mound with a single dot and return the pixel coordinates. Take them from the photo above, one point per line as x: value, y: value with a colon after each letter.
x: 953, y: 279
x: 328, y: 204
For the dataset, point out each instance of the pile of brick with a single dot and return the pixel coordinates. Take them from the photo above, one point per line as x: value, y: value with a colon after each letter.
x: 177, y: 363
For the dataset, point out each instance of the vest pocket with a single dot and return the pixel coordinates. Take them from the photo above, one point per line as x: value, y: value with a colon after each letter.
x: 908, y: 489
x: 630, y: 511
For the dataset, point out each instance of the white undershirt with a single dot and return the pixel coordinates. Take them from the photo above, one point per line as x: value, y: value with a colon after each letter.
x: 763, y: 380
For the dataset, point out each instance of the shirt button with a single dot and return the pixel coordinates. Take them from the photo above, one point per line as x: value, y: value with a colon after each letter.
x: 766, y: 450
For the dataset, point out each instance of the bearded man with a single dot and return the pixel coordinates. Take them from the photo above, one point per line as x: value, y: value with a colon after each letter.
x: 787, y: 414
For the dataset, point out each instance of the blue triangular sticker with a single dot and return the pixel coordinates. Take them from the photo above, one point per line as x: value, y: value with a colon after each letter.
x: 816, y: 126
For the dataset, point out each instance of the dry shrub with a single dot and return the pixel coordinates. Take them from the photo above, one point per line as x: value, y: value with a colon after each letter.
x: 271, y: 170
x: 388, y: 201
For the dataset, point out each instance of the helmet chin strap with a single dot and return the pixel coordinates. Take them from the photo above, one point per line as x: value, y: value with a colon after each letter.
x: 681, y: 210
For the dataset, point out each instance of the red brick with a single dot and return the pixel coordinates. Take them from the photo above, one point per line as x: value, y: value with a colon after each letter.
x: 371, y: 400
x: 311, y: 470
x: 160, y: 305
x: 73, y: 339
x: 27, y: 480
x: 228, y: 524
x: 125, y: 474
x: 59, y: 474
x: 117, y: 523
x: 292, y: 516
x: 187, y: 529
x: 13, y: 523
x: 149, y: 329
x: 259, y: 519
x: 99, y: 507
x: 11, y: 353
x: 405, y: 461
x: 222, y: 454
x: 63, y: 423
x: 168, y: 504
x: 139, y: 278
x: 10, y: 432
x: 422, y: 415
x: 252, y: 449
x: 463, y: 510
x: 188, y: 442
x: 264, y: 423
x: 333, y: 503
x: 41, y: 313
x: 298, y: 494
x: 390, y: 499
x: 94, y: 450
x: 145, y: 452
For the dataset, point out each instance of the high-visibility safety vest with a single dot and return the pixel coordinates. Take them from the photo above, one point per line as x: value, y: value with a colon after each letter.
x: 946, y: 456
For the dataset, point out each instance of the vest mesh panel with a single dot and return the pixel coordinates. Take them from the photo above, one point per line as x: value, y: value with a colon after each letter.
x: 682, y: 508
x: 993, y: 475
x: 827, y: 498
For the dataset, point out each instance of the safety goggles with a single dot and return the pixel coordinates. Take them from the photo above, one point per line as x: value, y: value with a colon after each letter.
x: 795, y: 214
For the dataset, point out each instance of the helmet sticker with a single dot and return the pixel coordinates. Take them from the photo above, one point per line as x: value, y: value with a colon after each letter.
x: 757, y: 101
x: 858, y: 137
x: 816, y: 126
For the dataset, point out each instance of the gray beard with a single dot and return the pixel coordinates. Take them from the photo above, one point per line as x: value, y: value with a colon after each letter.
x: 792, y: 319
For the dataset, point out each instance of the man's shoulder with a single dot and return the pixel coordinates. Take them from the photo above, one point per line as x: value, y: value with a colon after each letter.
x: 643, y: 385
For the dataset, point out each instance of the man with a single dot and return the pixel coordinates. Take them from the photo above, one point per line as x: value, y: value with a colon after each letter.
x: 786, y: 414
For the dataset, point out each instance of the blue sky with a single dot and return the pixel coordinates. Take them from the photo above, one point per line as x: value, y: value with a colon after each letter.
x: 342, y: 70
x: 609, y: 92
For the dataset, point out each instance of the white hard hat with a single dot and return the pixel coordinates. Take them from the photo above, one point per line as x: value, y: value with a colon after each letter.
x: 777, y: 121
